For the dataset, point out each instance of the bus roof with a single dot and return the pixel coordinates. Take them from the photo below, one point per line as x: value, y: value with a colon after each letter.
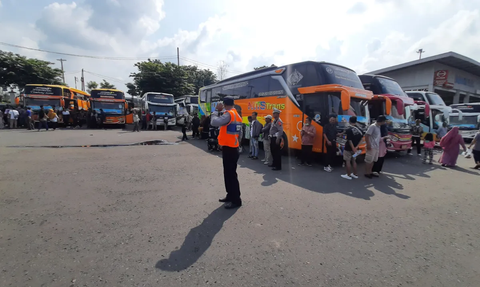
x: 270, y: 70
x: 80, y: 92
x: 368, y: 77
x: 113, y: 90
x: 46, y: 85
x: 158, y: 93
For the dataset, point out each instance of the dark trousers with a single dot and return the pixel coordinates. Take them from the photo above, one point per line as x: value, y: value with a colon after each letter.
x: 230, y: 158
x: 307, y: 154
x: 42, y: 124
x: 416, y: 142
x: 378, y: 165
x: 184, y: 131
x: 276, y: 153
x: 66, y: 120
x: 144, y: 124
x: 195, y: 132
x: 331, y: 154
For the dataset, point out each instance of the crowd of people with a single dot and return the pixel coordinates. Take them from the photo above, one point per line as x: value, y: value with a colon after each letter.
x: 21, y: 118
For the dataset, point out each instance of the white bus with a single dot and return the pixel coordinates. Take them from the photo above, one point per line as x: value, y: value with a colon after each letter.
x: 467, y: 118
x: 186, y: 105
x: 163, y: 106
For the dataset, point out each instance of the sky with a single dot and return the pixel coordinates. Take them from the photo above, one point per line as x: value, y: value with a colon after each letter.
x: 362, y: 35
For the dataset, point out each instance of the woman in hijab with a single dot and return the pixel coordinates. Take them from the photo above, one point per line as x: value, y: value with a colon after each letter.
x: 378, y: 165
x: 53, y: 118
x: 450, y: 144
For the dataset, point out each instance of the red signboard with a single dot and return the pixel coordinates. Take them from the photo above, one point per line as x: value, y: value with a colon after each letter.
x: 440, y: 78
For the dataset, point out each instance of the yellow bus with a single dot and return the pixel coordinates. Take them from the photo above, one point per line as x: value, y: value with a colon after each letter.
x: 55, y: 97
x: 113, y: 104
x: 306, y: 89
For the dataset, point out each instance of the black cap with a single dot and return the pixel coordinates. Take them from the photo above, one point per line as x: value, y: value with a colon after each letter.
x: 381, y: 119
x: 228, y: 101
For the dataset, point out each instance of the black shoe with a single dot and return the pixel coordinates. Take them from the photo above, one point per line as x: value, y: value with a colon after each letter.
x: 375, y: 175
x: 231, y: 205
x: 224, y: 200
x: 276, y: 168
x: 250, y: 156
x: 368, y: 176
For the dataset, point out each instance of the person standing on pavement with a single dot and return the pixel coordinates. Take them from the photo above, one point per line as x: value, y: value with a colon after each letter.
x: 42, y: 119
x: 154, y: 121
x: 276, y: 134
x: 308, y: 134
x: 66, y: 117
x: 476, y: 150
x: 354, y: 137
x: 14, y: 114
x: 248, y: 136
x: 382, y: 150
x: 136, y: 121
x: 165, y: 122
x: 229, y: 124
x: 195, y: 126
x: 255, y: 131
x: 442, y: 131
x: 372, y: 137
x: 102, y: 118
x: 30, y: 124
x: 417, y: 132
x: 53, y: 118
x: 184, y: 131
x: 330, y: 136
x: 266, y: 140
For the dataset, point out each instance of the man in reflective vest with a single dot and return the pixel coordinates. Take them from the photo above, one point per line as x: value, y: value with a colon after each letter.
x: 230, y: 127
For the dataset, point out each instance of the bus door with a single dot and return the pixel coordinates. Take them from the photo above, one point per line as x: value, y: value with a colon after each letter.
x: 314, y: 106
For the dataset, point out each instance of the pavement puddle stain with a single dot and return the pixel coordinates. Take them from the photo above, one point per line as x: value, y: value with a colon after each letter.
x: 144, y: 143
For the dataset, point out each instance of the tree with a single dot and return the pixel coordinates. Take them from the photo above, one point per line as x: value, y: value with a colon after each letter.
x: 91, y: 85
x: 222, y: 70
x: 263, y: 67
x: 155, y: 76
x: 17, y: 71
x: 106, y: 85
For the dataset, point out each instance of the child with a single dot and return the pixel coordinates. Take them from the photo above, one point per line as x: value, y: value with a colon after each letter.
x: 428, y: 146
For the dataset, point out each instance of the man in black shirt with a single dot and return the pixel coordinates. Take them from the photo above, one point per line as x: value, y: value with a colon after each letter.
x: 330, y: 136
x: 354, y: 136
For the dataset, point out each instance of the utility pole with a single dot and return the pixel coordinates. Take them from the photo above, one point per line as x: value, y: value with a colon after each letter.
x: 63, y: 73
x: 178, y: 56
x: 83, y: 82
x: 420, y: 51
x: 75, y: 82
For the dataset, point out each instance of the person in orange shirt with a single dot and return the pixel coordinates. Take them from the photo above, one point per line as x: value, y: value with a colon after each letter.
x: 230, y: 126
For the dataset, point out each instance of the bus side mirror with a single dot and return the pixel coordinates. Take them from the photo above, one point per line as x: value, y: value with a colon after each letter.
x: 345, y: 98
x: 388, y: 106
x: 17, y: 101
x: 400, y: 108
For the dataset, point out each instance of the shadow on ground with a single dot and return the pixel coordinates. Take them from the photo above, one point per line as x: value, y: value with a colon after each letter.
x: 397, y: 166
x: 197, y: 241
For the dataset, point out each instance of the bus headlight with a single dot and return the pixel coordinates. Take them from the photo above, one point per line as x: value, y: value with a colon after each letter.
x: 395, y: 139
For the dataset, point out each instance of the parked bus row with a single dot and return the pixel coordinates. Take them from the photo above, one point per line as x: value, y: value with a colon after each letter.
x: 320, y: 89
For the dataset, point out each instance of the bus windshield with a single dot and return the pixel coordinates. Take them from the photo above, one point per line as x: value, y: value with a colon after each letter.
x: 109, y: 108
x: 466, y: 122
x: 162, y: 110
x: 435, y: 99
x: 342, y: 76
x: 357, y: 108
x: 47, y: 104
x: 397, y: 121
x: 391, y: 87
x: 160, y: 98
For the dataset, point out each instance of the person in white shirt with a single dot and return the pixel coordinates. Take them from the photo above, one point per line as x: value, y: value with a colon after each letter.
x: 136, y: 121
x: 13, y: 118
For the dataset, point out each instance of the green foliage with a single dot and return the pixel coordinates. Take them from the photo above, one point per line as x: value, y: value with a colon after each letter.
x: 91, y: 85
x: 155, y: 76
x: 106, y: 85
x: 263, y: 67
x: 18, y: 71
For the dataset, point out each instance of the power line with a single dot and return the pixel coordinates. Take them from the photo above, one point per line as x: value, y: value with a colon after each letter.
x: 105, y: 77
x: 88, y: 56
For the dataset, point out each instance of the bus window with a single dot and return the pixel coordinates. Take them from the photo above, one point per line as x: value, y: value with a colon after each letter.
x: 66, y: 93
x: 259, y: 86
x: 203, y: 96
x: 209, y: 96
x: 416, y: 96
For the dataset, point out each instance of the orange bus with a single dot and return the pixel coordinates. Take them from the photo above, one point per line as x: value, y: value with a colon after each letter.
x: 313, y: 89
x: 113, y: 104
x: 55, y: 97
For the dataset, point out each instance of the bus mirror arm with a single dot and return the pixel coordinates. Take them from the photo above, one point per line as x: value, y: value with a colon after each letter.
x: 460, y: 114
x: 388, y: 106
x: 345, y: 98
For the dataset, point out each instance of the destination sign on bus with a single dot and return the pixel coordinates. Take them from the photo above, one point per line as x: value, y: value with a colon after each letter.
x: 47, y: 91
x: 108, y: 94
x: 160, y: 98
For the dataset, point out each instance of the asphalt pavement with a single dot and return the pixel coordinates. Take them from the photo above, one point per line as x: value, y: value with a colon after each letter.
x: 149, y: 216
